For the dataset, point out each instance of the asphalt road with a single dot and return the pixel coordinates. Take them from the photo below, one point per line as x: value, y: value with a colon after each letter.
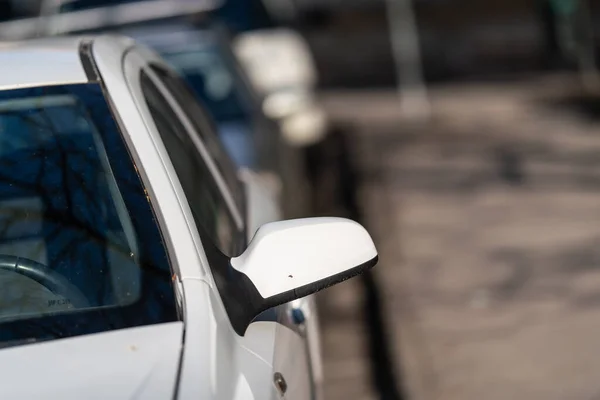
x: 487, y: 219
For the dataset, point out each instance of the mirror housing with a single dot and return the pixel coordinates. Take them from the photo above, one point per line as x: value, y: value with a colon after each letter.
x: 291, y: 259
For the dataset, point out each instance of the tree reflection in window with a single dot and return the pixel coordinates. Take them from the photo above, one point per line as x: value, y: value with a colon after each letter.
x: 71, y: 199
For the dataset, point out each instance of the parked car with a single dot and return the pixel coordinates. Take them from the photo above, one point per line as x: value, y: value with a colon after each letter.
x: 204, y: 58
x: 130, y: 259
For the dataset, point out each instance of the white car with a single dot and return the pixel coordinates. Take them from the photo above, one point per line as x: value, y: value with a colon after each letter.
x: 134, y: 262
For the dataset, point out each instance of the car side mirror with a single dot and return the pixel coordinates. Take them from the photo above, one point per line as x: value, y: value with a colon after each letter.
x: 291, y: 259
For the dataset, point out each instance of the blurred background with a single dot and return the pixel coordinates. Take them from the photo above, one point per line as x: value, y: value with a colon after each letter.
x: 465, y: 135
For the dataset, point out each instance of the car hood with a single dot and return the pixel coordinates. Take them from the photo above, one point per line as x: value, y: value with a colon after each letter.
x: 137, y: 363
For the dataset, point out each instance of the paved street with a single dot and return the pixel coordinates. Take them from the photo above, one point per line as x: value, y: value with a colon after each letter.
x: 487, y: 221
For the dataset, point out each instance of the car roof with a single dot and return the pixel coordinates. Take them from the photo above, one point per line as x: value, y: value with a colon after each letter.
x: 48, y: 61
x: 41, y: 62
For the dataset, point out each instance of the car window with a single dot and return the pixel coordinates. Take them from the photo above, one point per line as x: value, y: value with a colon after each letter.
x: 80, y: 248
x: 209, y: 209
x: 202, y: 123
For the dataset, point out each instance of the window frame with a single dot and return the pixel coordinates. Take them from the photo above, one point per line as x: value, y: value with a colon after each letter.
x: 204, y: 155
x: 233, y: 184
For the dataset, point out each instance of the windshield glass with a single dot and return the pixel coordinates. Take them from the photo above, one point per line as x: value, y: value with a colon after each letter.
x: 80, y: 249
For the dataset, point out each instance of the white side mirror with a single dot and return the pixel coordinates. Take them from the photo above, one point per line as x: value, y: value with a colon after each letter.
x: 291, y: 259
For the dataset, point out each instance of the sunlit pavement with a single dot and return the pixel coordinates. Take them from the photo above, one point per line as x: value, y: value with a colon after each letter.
x: 487, y: 220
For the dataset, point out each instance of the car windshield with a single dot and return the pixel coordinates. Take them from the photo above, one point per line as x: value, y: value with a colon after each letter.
x: 80, y: 249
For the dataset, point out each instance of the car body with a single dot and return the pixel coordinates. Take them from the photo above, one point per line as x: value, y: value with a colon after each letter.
x: 154, y: 279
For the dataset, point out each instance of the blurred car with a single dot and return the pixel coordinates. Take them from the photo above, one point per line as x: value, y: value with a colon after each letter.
x: 127, y: 234
x: 280, y: 66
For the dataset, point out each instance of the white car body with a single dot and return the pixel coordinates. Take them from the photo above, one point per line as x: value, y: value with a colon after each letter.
x: 208, y: 353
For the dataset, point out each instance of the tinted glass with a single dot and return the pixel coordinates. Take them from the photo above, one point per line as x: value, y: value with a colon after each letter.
x: 80, y: 249
x: 187, y: 101
x: 206, y: 202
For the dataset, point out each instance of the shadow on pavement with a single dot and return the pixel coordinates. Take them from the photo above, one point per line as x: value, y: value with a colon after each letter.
x: 336, y: 183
